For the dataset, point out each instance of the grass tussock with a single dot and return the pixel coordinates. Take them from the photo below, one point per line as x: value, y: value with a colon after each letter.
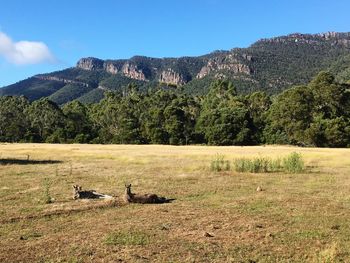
x: 255, y: 165
x: 293, y: 163
x: 219, y: 163
x: 46, y: 195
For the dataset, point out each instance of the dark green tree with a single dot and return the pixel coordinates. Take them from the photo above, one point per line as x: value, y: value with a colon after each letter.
x: 317, y: 114
x: 329, y: 97
x: 14, y: 123
x: 118, y: 117
x: 224, y: 120
x: 258, y: 104
x: 180, y: 119
x: 46, y: 119
x: 329, y: 132
x: 289, y: 116
x: 153, y: 118
x: 78, y: 127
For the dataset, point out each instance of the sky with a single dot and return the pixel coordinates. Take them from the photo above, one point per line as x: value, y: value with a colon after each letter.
x: 41, y: 36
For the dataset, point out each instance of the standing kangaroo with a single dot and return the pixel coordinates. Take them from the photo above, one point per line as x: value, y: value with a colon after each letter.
x: 142, y: 199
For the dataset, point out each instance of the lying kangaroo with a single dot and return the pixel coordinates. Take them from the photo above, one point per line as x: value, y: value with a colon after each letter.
x: 143, y: 199
x: 78, y: 193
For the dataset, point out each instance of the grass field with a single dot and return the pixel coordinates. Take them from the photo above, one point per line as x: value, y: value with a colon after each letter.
x: 216, y: 217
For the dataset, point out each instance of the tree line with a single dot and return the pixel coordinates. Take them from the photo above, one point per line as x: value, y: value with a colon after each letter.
x: 317, y: 114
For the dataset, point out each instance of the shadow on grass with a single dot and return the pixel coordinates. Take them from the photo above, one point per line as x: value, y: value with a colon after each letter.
x: 26, y: 162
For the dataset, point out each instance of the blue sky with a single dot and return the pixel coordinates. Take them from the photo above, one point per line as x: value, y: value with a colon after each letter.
x: 58, y: 33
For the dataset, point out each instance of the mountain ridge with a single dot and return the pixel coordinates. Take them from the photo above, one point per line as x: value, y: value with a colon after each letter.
x: 269, y: 64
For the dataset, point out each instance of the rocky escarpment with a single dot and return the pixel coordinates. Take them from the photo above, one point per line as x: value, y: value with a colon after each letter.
x: 167, y: 70
x: 169, y: 76
x: 127, y: 69
x: 228, y: 63
x: 90, y: 63
x: 134, y: 70
x: 112, y: 68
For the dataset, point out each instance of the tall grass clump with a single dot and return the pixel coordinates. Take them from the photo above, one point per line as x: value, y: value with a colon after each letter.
x: 293, y: 163
x: 46, y: 196
x: 219, y: 163
x: 255, y: 165
x: 275, y: 165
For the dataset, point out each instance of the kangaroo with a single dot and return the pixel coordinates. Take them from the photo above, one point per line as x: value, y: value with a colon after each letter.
x: 142, y: 199
x: 78, y: 193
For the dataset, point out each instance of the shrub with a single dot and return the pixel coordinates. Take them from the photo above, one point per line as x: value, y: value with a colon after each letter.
x: 220, y: 164
x: 293, y: 163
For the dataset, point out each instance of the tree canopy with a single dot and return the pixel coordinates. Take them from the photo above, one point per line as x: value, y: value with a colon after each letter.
x: 317, y: 114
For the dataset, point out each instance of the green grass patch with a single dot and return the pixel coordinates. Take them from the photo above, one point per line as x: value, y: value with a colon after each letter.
x: 128, y: 238
x: 255, y: 165
x: 219, y: 163
x: 292, y: 163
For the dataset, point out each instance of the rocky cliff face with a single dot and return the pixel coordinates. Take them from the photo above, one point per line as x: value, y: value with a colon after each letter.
x: 169, y: 76
x: 127, y: 69
x: 163, y: 69
x: 228, y: 63
x: 90, y: 63
x: 111, y: 68
x: 133, y: 72
x: 167, y: 70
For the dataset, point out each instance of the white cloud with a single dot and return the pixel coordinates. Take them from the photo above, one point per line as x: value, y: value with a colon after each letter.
x: 24, y: 52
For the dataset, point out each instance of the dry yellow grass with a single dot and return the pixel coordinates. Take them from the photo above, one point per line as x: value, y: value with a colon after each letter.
x: 297, y: 218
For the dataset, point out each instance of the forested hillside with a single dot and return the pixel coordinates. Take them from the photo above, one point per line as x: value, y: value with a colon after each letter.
x: 316, y: 114
x: 269, y: 65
